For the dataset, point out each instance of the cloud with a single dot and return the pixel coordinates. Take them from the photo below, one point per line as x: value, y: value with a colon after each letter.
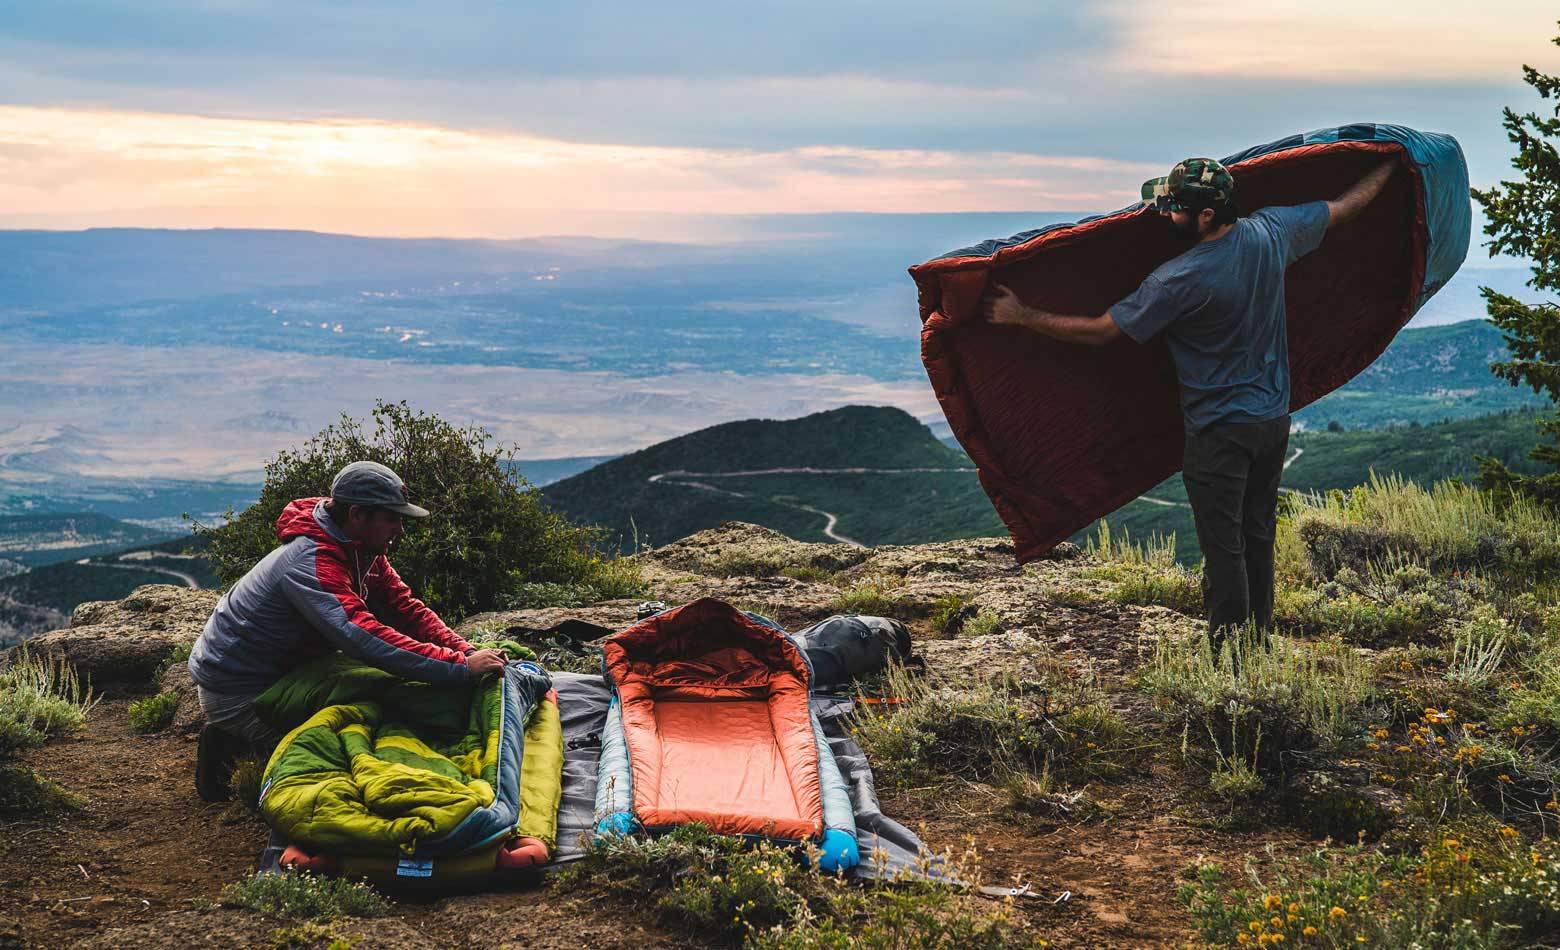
x: 1048, y: 77
x: 396, y: 179
x: 714, y: 105
x: 1334, y: 41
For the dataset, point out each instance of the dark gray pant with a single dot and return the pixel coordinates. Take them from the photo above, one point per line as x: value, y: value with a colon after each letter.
x: 1231, y: 472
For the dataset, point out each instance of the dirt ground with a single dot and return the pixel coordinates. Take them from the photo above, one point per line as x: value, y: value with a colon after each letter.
x: 128, y: 869
x: 141, y: 862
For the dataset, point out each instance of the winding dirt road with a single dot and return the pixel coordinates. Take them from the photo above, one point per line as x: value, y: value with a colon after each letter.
x: 831, y: 520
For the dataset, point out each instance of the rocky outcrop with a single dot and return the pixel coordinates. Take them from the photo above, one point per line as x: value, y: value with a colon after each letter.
x: 612, y: 614
x: 1046, y: 612
x: 737, y: 548
x: 116, y: 642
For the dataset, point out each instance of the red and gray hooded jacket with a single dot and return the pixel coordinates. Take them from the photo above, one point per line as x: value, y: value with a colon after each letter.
x: 313, y: 594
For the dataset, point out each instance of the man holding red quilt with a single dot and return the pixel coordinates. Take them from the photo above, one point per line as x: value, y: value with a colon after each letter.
x: 1220, y: 307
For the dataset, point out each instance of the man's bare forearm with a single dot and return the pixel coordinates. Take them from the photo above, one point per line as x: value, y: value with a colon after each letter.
x: 1070, y: 328
x: 1349, y: 204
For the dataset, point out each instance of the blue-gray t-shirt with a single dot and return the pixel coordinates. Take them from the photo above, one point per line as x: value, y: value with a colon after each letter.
x: 1221, y: 308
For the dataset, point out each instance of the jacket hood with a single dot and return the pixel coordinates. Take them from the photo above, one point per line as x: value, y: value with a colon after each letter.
x: 307, y: 517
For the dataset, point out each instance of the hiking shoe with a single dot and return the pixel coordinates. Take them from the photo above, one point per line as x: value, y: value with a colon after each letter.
x: 214, y: 764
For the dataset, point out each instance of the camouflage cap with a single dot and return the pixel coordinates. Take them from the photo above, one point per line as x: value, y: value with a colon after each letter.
x: 1195, y: 182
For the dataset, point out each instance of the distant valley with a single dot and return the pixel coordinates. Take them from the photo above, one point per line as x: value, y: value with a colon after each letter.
x: 153, y: 372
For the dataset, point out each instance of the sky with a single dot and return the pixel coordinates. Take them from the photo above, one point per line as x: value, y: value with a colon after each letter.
x: 504, y: 119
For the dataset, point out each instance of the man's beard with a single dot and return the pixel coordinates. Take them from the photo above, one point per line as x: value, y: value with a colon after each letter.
x: 1187, y: 231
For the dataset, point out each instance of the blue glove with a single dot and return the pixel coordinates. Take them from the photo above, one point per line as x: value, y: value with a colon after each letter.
x: 839, y: 851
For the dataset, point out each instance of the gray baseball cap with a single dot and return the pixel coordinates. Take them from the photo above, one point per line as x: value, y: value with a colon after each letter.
x: 369, y: 483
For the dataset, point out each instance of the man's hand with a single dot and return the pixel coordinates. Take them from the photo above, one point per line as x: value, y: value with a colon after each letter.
x: 1003, y: 307
x: 483, y: 662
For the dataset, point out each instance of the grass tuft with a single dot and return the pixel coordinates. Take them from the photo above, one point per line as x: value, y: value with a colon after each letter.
x: 153, y: 713
x: 984, y: 623
x: 872, y: 596
x: 303, y: 896
x: 992, y: 731
x: 1145, y: 574
x: 1257, y: 699
x: 40, y: 697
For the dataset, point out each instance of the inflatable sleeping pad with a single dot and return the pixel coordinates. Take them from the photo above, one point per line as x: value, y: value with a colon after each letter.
x: 710, y: 722
x: 1063, y: 434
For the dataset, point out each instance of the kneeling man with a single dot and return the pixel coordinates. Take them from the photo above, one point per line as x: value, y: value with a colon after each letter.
x: 327, y: 587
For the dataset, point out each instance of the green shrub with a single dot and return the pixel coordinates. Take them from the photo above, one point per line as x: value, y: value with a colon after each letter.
x: 948, y: 614
x: 1479, y: 643
x: 153, y: 713
x: 489, y: 532
x: 1449, y: 527
x: 40, y: 697
x: 1257, y: 698
x: 305, y: 896
x: 1386, y: 603
x: 984, y: 623
x: 873, y: 596
x: 723, y: 889
x: 991, y: 731
x: 247, y: 779
x: 708, y: 884
x: 1532, y: 697
x: 25, y: 794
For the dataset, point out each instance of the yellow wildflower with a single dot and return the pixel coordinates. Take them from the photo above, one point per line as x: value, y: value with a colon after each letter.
x: 1337, y: 913
x: 1309, y: 931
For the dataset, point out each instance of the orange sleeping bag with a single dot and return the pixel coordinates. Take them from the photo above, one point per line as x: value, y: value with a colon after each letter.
x: 710, y: 723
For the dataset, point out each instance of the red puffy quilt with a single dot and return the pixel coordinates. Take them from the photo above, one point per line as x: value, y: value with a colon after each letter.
x: 1063, y: 434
